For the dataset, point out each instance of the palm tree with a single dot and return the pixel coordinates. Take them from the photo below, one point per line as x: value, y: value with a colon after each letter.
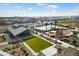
x: 55, y: 23
x: 46, y: 26
x: 51, y: 24
x: 33, y: 22
x: 42, y: 28
x: 33, y: 26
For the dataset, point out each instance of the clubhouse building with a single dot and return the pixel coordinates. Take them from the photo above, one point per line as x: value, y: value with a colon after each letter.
x: 17, y: 32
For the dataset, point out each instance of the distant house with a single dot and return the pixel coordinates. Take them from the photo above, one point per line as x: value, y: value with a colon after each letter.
x: 17, y: 32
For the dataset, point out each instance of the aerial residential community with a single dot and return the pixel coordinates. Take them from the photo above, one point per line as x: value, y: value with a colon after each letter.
x: 44, y: 34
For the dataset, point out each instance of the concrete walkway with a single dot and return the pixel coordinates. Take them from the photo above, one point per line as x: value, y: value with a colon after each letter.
x: 4, y: 53
x: 50, y: 51
x: 34, y: 53
x: 1, y: 34
x: 4, y: 43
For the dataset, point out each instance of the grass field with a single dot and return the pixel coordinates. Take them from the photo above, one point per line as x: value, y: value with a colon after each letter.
x: 37, y: 44
x: 69, y: 23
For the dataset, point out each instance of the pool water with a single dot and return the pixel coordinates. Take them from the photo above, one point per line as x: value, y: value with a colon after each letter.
x: 43, y: 28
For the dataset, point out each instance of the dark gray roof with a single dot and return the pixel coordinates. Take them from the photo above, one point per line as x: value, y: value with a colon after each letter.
x: 17, y: 31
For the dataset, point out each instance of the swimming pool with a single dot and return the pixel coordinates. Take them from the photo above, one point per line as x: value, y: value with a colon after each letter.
x: 43, y: 28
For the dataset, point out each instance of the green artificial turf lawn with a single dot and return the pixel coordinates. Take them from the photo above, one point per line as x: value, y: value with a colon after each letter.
x: 37, y: 44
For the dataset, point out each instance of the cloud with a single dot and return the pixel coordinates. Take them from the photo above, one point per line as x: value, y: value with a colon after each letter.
x: 72, y: 11
x: 75, y: 9
x: 18, y: 6
x: 41, y: 13
x: 40, y: 4
x: 5, y: 4
x: 48, y: 10
x: 53, y: 6
x: 23, y: 8
x: 29, y: 9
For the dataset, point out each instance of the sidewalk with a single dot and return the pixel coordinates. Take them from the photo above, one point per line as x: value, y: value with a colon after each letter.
x: 4, y: 53
x: 4, y: 43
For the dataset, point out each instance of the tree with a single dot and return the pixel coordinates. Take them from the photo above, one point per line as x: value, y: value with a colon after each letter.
x: 59, y: 50
x: 51, y: 24
x: 46, y: 26
x: 42, y: 28
x: 33, y: 26
x: 55, y: 23
x: 74, y: 42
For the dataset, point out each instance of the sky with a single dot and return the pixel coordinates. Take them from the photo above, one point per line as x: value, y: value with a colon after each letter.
x: 38, y: 9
